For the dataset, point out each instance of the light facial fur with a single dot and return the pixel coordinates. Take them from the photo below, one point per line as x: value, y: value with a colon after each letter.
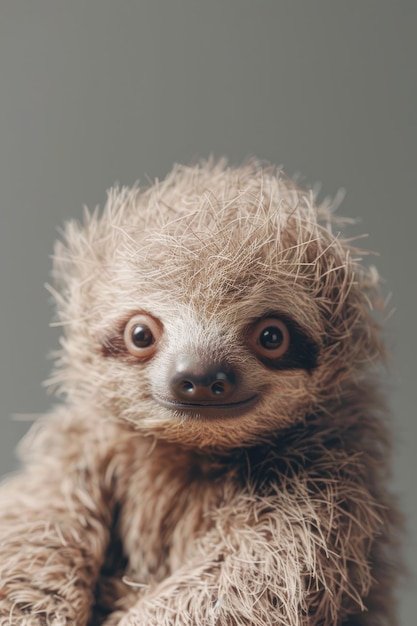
x: 198, y: 478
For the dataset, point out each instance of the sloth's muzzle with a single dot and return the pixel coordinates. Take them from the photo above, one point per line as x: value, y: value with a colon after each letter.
x: 206, y: 388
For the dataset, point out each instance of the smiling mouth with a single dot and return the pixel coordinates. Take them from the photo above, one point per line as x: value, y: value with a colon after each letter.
x: 209, y: 409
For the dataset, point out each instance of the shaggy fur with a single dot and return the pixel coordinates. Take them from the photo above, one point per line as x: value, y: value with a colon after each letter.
x: 132, y: 512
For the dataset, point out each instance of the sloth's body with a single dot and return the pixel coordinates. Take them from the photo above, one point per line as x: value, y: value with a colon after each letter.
x: 221, y: 456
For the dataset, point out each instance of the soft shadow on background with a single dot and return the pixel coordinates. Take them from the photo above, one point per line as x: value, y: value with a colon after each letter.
x: 93, y: 92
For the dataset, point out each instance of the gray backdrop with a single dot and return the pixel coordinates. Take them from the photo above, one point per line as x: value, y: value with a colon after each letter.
x: 98, y: 91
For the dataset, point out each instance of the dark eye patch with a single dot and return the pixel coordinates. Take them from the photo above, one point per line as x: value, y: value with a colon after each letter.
x: 113, y: 344
x: 302, y: 353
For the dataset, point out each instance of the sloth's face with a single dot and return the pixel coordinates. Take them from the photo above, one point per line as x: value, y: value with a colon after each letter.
x: 224, y: 379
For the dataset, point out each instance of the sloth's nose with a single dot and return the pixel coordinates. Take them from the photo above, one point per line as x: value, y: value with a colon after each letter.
x: 194, y: 381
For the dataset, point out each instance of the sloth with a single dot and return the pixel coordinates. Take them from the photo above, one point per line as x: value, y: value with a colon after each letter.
x: 219, y: 453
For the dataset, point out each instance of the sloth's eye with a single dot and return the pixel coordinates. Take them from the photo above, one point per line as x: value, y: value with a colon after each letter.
x: 141, y: 334
x: 270, y: 338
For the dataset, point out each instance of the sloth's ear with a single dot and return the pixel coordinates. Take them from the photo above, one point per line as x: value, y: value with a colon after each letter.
x: 348, y: 295
x: 77, y: 259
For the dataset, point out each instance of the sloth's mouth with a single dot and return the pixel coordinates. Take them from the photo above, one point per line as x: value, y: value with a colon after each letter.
x: 209, y: 409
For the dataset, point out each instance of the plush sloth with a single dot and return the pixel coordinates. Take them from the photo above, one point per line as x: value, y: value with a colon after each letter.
x: 220, y: 454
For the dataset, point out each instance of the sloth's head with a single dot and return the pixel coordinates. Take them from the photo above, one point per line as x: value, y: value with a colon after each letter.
x: 212, y: 309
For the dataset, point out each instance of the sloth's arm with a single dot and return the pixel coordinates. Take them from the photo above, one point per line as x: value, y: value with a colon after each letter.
x: 287, y: 558
x: 54, y: 523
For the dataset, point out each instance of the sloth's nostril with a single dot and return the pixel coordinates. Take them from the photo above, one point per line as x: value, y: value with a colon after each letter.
x: 187, y: 386
x: 218, y: 388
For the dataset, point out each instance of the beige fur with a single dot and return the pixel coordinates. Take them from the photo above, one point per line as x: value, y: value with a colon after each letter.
x: 131, y: 513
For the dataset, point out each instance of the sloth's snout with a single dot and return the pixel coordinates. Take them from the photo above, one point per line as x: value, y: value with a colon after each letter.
x: 194, y: 381
x: 206, y: 388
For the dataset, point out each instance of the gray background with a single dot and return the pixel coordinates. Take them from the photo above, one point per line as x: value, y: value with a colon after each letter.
x: 93, y: 92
